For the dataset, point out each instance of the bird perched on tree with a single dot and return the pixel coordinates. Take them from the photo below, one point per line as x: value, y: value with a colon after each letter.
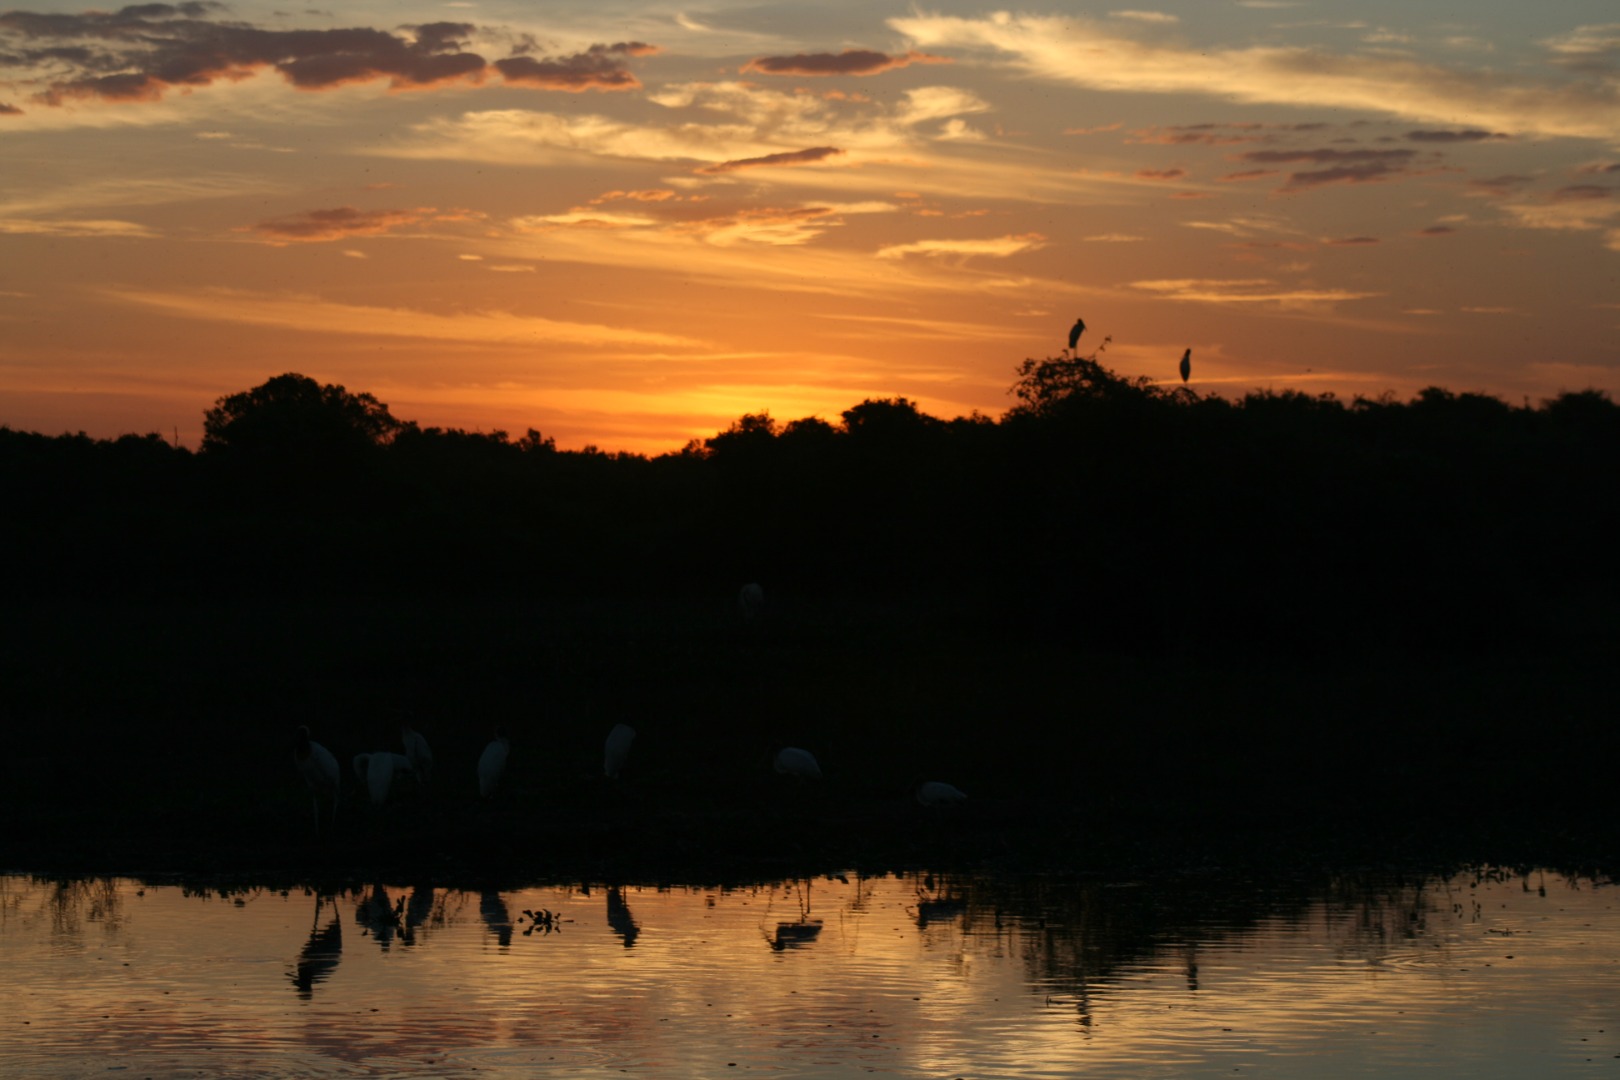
x: 1186, y: 365
x: 1075, y: 331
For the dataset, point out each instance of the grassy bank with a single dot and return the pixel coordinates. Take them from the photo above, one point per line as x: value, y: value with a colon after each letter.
x: 145, y: 737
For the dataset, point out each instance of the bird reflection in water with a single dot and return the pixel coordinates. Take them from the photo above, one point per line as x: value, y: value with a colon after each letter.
x: 418, y: 909
x: 619, y: 917
x: 938, y: 902
x: 320, y: 955
x: 381, y: 917
x: 496, y: 915
x: 800, y: 932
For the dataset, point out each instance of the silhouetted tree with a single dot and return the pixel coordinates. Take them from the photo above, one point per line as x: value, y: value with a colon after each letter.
x: 294, y: 417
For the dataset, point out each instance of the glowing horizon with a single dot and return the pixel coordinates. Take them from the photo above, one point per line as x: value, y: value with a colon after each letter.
x: 627, y: 228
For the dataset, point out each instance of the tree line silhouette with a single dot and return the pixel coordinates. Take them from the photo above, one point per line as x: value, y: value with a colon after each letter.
x: 1099, y: 507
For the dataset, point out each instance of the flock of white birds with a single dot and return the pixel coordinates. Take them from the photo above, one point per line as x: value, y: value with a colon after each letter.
x: 378, y: 769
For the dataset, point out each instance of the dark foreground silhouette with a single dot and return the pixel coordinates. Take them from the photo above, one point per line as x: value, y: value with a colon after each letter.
x: 1133, y: 624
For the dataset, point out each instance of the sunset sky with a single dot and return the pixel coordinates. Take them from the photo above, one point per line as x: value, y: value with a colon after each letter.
x: 628, y: 223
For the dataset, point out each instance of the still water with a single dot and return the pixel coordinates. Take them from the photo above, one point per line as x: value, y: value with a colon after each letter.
x: 1482, y: 974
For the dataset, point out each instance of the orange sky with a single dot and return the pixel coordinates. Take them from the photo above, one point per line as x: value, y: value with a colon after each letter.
x: 626, y: 225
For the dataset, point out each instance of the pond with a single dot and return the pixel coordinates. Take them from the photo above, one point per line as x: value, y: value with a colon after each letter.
x: 911, y: 975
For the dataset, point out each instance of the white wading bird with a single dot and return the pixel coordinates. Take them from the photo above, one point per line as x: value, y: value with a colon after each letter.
x: 751, y: 602
x: 617, y: 749
x: 939, y: 793
x: 492, y: 764
x: 377, y: 771
x: 320, y: 771
x: 791, y: 761
x: 417, y: 752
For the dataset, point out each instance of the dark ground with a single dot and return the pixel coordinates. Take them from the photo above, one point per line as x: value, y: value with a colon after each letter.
x: 148, y: 738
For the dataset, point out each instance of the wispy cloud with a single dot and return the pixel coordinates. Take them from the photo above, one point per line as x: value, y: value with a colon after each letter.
x: 75, y: 227
x: 848, y: 62
x: 787, y: 157
x: 1093, y: 54
x: 1247, y: 291
x: 315, y: 315
x: 319, y: 226
x: 998, y: 247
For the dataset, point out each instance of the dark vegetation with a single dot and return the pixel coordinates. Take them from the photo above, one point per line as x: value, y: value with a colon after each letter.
x: 1138, y: 626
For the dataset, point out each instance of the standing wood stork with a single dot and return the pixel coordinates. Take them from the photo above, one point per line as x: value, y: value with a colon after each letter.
x: 1075, y: 331
x: 791, y: 761
x: 377, y: 771
x: 320, y: 771
x: 939, y: 793
x: 417, y: 753
x: 1186, y: 365
x: 492, y: 764
x: 617, y: 749
x: 751, y: 602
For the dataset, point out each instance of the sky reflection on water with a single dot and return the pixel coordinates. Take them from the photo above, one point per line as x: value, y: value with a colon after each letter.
x: 842, y: 976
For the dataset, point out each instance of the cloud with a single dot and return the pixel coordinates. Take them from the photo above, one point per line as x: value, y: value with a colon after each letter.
x: 1160, y: 174
x: 789, y: 157
x: 1145, y: 16
x: 1115, y: 238
x: 318, y: 226
x: 848, y: 62
x: 601, y: 67
x: 1436, y: 230
x: 1499, y: 186
x: 81, y: 227
x: 1469, y: 136
x: 1246, y: 291
x: 140, y: 53
x: 1343, y: 166
x: 1352, y: 241
x: 312, y: 314
x: 1085, y: 52
x: 998, y: 247
x: 1594, y: 48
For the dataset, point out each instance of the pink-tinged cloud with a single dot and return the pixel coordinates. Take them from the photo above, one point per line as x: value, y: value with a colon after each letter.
x: 787, y: 157
x: 601, y: 67
x: 1160, y: 174
x: 140, y: 53
x: 848, y: 62
x: 1582, y: 193
x: 319, y: 226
